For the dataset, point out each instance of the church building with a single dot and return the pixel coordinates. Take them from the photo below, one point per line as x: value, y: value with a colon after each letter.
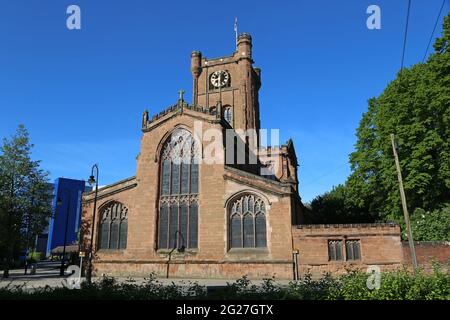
x: 209, y: 201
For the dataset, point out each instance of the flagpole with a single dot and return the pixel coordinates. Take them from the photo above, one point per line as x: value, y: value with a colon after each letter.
x: 236, y: 30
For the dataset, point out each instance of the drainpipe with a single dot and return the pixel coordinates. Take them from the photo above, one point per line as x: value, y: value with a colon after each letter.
x: 295, y: 263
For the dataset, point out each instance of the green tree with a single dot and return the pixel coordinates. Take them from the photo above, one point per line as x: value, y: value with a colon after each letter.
x: 24, y: 197
x: 336, y: 206
x: 416, y: 108
x: 431, y: 225
x: 2, y: 232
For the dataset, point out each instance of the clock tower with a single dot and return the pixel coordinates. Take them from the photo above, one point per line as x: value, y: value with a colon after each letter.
x: 229, y: 85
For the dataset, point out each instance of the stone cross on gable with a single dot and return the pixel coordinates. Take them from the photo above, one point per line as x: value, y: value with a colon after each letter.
x: 180, y: 93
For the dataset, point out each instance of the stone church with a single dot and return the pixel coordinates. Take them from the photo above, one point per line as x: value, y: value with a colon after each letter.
x: 183, y: 215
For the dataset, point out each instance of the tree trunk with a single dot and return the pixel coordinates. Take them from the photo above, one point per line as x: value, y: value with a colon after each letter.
x: 6, y: 267
x: 7, y: 260
x: 10, y: 242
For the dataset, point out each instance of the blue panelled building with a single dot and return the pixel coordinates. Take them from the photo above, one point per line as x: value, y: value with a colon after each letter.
x: 66, y: 209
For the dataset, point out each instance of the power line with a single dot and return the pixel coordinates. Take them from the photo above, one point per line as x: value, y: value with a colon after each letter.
x: 434, y: 29
x: 406, y: 35
x: 314, y: 180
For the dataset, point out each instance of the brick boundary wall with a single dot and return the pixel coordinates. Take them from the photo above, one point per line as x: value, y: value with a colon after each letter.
x: 380, y: 244
x: 428, y: 252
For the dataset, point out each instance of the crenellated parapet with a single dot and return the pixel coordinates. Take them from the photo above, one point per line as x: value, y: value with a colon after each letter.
x: 178, y: 108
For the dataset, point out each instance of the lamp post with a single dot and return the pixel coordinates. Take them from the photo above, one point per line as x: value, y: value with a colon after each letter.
x: 93, y: 179
x: 59, y: 203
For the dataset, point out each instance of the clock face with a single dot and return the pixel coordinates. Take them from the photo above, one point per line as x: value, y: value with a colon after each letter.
x: 220, y: 78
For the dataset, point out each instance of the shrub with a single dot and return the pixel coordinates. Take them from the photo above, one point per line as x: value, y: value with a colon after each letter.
x: 394, y: 285
x: 35, y: 256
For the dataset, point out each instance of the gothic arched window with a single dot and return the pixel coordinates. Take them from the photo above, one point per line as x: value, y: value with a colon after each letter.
x: 247, y: 222
x: 178, y: 205
x: 113, y: 228
x: 228, y: 114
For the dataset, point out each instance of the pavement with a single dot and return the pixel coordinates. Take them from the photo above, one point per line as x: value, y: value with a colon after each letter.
x: 47, y: 274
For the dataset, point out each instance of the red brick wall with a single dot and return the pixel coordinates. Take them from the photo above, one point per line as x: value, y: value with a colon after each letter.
x: 217, y: 185
x: 195, y: 269
x: 428, y: 252
x: 380, y: 245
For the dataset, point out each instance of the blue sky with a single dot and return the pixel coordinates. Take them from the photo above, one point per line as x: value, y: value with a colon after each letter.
x: 81, y: 93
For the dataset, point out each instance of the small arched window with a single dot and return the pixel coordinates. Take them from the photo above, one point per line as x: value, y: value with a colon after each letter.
x: 247, y: 222
x: 113, y: 228
x: 228, y: 114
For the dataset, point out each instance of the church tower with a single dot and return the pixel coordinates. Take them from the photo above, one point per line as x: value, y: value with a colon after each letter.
x: 229, y: 85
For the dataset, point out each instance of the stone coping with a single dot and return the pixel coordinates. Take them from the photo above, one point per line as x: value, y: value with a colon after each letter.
x: 347, y: 225
x: 427, y: 243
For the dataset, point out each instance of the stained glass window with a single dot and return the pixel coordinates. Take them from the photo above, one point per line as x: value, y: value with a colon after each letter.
x: 166, y: 178
x: 104, y: 235
x: 114, y: 240
x: 260, y: 222
x: 163, y: 226
x: 173, y: 225
x: 178, y: 216
x: 123, y: 234
x: 247, y: 216
x: 113, y: 228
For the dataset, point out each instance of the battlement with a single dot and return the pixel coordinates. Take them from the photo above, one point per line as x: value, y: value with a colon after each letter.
x: 243, y: 50
x: 244, y: 37
x: 147, y: 122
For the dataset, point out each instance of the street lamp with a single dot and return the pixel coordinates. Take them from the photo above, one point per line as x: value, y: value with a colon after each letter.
x: 58, y: 204
x: 93, y: 179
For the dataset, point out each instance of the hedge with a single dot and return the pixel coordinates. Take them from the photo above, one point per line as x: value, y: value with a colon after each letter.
x: 394, y: 285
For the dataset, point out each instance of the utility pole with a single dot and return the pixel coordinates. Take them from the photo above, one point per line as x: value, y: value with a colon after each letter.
x: 405, y: 208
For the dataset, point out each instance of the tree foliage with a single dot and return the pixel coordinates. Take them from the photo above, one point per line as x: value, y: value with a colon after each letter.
x: 416, y: 108
x: 394, y: 285
x: 24, y: 196
x: 336, y: 207
x: 431, y: 225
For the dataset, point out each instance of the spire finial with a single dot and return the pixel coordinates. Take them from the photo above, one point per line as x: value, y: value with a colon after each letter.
x: 181, y: 94
x: 144, y: 118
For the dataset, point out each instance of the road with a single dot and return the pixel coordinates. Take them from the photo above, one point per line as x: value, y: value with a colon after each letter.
x: 47, y: 274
